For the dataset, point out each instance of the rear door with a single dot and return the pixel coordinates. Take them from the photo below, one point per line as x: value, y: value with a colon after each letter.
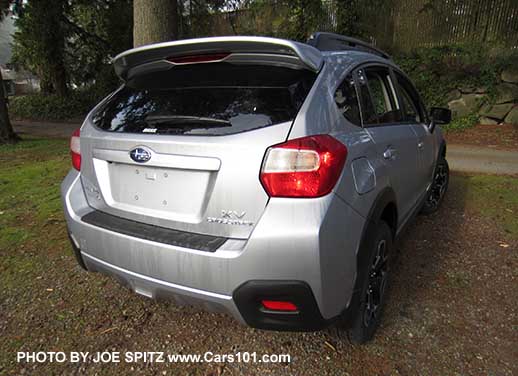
x: 396, y: 142
x: 182, y: 148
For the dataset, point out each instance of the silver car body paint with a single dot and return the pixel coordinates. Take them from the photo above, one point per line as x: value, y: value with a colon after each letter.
x: 311, y: 240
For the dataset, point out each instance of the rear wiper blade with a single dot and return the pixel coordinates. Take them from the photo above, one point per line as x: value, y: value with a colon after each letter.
x: 183, y: 119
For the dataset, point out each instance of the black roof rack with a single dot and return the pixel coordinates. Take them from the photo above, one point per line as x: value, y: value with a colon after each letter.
x: 337, y: 42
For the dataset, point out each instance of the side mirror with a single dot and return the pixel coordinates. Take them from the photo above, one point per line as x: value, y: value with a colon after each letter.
x: 439, y: 115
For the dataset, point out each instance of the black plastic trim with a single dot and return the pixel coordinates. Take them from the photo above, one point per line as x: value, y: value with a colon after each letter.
x: 201, y: 242
x: 385, y: 197
x: 248, y: 298
x: 324, y: 41
x: 77, y: 252
x: 442, y: 150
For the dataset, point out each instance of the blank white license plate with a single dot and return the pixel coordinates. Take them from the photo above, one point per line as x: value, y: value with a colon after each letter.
x: 159, y: 189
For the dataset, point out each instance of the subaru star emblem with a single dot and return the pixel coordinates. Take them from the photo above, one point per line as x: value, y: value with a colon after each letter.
x: 140, y: 155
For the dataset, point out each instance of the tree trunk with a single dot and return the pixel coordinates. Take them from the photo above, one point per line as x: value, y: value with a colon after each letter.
x: 7, y: 134
x: 55, y: 47
x: 154, y: 21
x: 45, y: 84
x: 46, y: 34
x: 57, y: 69
x: 174, y: 19
x: 59, y: 78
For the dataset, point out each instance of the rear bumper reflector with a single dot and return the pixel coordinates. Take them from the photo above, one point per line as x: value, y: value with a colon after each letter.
x: 201, y: 242
x: 299, y: 308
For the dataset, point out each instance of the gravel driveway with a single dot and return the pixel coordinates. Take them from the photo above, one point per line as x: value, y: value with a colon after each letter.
x: 482, y: 160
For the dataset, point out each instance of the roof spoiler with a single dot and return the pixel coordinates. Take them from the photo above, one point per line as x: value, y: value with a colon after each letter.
x: 237, y: 49
x: 336, y: 42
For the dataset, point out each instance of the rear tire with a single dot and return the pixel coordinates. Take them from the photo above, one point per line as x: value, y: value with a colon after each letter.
x: 372, y: 283
x: 441, y: 179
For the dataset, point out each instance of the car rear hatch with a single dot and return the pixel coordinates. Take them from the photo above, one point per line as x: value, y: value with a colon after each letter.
x: 180, y: 145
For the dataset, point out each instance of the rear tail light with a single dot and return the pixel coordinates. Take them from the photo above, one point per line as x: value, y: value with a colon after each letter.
x: 75, y: 150
x: 279, y: 305
x: 303, y: 167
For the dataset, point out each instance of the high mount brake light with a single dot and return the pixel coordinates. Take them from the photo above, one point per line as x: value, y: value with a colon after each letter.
x: 196, y: 59
x: 75, y: 150
x: 303, y: 167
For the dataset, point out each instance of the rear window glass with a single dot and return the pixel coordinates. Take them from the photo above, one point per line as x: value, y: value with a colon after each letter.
x: 206, y: 99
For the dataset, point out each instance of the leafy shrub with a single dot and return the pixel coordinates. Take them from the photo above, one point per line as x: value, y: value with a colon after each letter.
x: 461, y: 124
x: 436, y: 71
x: 53, y: 107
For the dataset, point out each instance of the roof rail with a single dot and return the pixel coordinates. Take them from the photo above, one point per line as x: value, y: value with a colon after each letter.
x: 336, y: 42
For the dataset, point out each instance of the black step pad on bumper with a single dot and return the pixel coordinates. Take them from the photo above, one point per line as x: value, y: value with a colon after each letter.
x: 201, y: 242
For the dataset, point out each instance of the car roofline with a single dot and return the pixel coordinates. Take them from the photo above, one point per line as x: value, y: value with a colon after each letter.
x: 324, y: 41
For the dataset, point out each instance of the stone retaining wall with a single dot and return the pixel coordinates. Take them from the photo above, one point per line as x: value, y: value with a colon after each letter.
x: 501, y: 108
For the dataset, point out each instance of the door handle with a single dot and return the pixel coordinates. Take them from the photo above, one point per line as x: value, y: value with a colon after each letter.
x: 420, y: 144
x: 390, y: 153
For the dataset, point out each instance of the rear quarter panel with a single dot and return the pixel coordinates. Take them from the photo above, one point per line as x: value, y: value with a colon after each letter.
x: 320, y: 115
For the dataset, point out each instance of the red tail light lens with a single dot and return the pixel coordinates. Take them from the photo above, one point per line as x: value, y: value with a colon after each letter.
x: 75, y: 150
x: 303, y: 167
x: 278, y: 305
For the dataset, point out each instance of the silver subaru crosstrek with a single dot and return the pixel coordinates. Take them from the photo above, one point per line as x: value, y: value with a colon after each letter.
x: 257, y: 176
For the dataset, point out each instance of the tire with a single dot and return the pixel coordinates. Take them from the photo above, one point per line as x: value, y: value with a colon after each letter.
x: 372, y: 283
x: 441, y: 179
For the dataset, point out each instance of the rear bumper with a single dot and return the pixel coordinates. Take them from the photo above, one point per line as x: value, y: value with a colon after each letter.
x: 158, y: 289
x: 295, y: 250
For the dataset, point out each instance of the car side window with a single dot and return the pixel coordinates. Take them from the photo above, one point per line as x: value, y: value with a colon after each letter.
x: 411, y: 109
x: 346, y: 99
x: 367, y: 107
x: 379, y: 101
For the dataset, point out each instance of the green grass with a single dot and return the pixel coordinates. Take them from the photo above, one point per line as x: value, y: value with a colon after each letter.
x: 494, y: 197
x: 12, y: 236
x: 30, y: 176
x: 32, y: 229
x: 35, y: 147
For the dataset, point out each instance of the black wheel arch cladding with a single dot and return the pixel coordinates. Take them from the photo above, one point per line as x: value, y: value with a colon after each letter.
x: 386, y: 199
